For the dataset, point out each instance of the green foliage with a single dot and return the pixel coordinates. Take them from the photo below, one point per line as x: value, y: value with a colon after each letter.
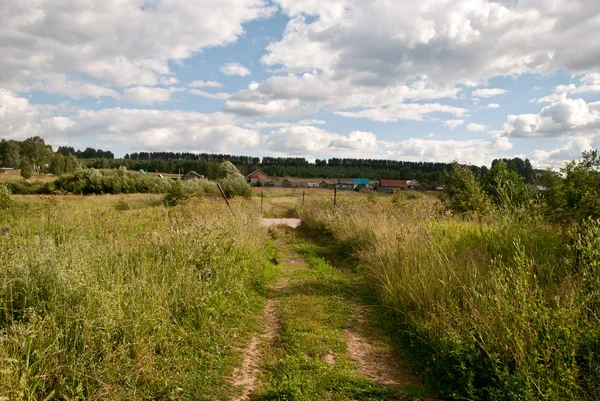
x: 100, y: 304
x: 5, y: 197
x: 175, y: 195
x: 573, y: 195
x: 506, y: 188
x: 232, y: 181
x: 463, y: 192
x: 487, y: 308
x: 26, y: 168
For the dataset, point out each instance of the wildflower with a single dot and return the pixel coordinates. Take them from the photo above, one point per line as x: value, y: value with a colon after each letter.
x: 5, y: 230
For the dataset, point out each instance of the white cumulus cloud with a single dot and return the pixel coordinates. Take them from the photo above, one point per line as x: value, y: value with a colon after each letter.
x: 235, y: 69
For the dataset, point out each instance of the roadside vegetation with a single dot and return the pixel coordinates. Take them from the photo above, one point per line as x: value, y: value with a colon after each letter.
x: 118, y: 297
x: 492, y: 295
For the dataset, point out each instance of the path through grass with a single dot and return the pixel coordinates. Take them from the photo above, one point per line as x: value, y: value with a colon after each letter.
x: 324, y: 348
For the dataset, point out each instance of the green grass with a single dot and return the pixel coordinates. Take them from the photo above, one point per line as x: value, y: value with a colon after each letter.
x: 502, y: 308
x: 314, y: 310
x: 118, y: 297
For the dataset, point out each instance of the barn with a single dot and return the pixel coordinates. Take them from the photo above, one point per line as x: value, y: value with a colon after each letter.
x: 192, y: 175
x: 257, y: 176
x: 345, y: 183
x: 287, y: 183
x: 392, y: 185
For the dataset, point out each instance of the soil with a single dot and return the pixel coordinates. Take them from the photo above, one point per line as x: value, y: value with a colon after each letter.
x: 375, y: 358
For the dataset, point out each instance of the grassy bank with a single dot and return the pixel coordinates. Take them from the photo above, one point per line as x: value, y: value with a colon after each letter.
x: 501, y: 308
x: 117, y: 297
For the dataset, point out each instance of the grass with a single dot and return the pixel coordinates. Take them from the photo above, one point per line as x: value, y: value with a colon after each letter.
x: 487, y: 309
x: 315, y: 308
x: 117, y: 297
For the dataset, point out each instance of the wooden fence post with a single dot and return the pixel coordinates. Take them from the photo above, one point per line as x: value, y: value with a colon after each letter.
x: 226, y: 201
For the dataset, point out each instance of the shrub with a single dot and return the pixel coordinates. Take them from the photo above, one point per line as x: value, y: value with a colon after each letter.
x: 232, y: 181
x: 5, y: 197
x: 175, y: 195
x: 573, y: 195
x: 506, y: 188
x: 26, y: 168
x: 463, y: 192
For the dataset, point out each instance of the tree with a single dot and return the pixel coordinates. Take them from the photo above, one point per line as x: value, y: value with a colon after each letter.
x: 506, y: 188
x: 10, y: 153
x: 36, y: 150
x: 573, y: 194
x: 463, y: 192
x: 26, y: 168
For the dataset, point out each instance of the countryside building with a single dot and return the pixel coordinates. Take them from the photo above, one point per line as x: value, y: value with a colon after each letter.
x: 313, y: 185
x: 287, y: 183
x: 352, y: 183
x: 192, y: 175
x: 392, y: 185
x: 257, y: 176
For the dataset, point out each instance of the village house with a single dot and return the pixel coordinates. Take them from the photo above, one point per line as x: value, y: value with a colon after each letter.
x: 257, y: 176
x: 287, y: 183
x: 192, y: 175
x: 352, y: 183
x: 323, y: 184
x: 313, y: 185
x: 345, y: 184
x: 392, y: 185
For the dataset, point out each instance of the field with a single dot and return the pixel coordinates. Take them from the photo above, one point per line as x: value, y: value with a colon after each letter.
x: 383, y: 297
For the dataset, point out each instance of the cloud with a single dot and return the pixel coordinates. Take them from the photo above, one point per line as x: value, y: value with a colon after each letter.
x: 476, y: 127
x: 478, y: 152
x: 18, y: 117
x: 488, y: 92
x: 264, y: 124
x: 158, y: 130
x: 308, y: 140
x: 564, y: 118
x: 109, y: 43
x: 492, y: 106
x: 235, y: 69
x: 589, y: 83
x: 458, y: 42
x: 217, y: 96
x: 403, y: 111
x: 148, y: 95
x: 205, y: 84
x: 557, y: 158
x: 454, y: 123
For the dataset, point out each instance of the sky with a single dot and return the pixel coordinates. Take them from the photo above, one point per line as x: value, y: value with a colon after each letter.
x: 430, y: 80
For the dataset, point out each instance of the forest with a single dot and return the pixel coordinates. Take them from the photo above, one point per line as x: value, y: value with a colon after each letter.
x: 34, y: 155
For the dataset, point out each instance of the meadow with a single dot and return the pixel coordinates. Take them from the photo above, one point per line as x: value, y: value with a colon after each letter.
x: 489, y: 294
x: 120, y: 297
x: 502, y: 306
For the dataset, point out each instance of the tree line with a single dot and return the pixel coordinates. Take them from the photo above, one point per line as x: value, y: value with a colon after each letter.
x: 33, y: 155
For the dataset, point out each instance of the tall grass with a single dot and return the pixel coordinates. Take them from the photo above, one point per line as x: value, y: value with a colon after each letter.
x: 504, y: 308
x: 103, y: 301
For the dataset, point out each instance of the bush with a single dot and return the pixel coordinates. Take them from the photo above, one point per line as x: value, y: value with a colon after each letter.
x: 175, y: 195
x: 26, y: 169
x: 506, y: 188
x: 5, y: 197
x: 233, y: 182
x: 463, y: 192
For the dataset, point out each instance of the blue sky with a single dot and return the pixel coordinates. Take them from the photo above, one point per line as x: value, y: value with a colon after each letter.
x: 438, y: 80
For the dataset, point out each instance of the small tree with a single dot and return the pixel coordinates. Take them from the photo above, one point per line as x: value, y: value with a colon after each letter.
x: 505, y: 187
x: 26, y: 168
x: 463, y: 192
x: 175, y: 194
x: 573, y: 194
x: 5, y: 197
